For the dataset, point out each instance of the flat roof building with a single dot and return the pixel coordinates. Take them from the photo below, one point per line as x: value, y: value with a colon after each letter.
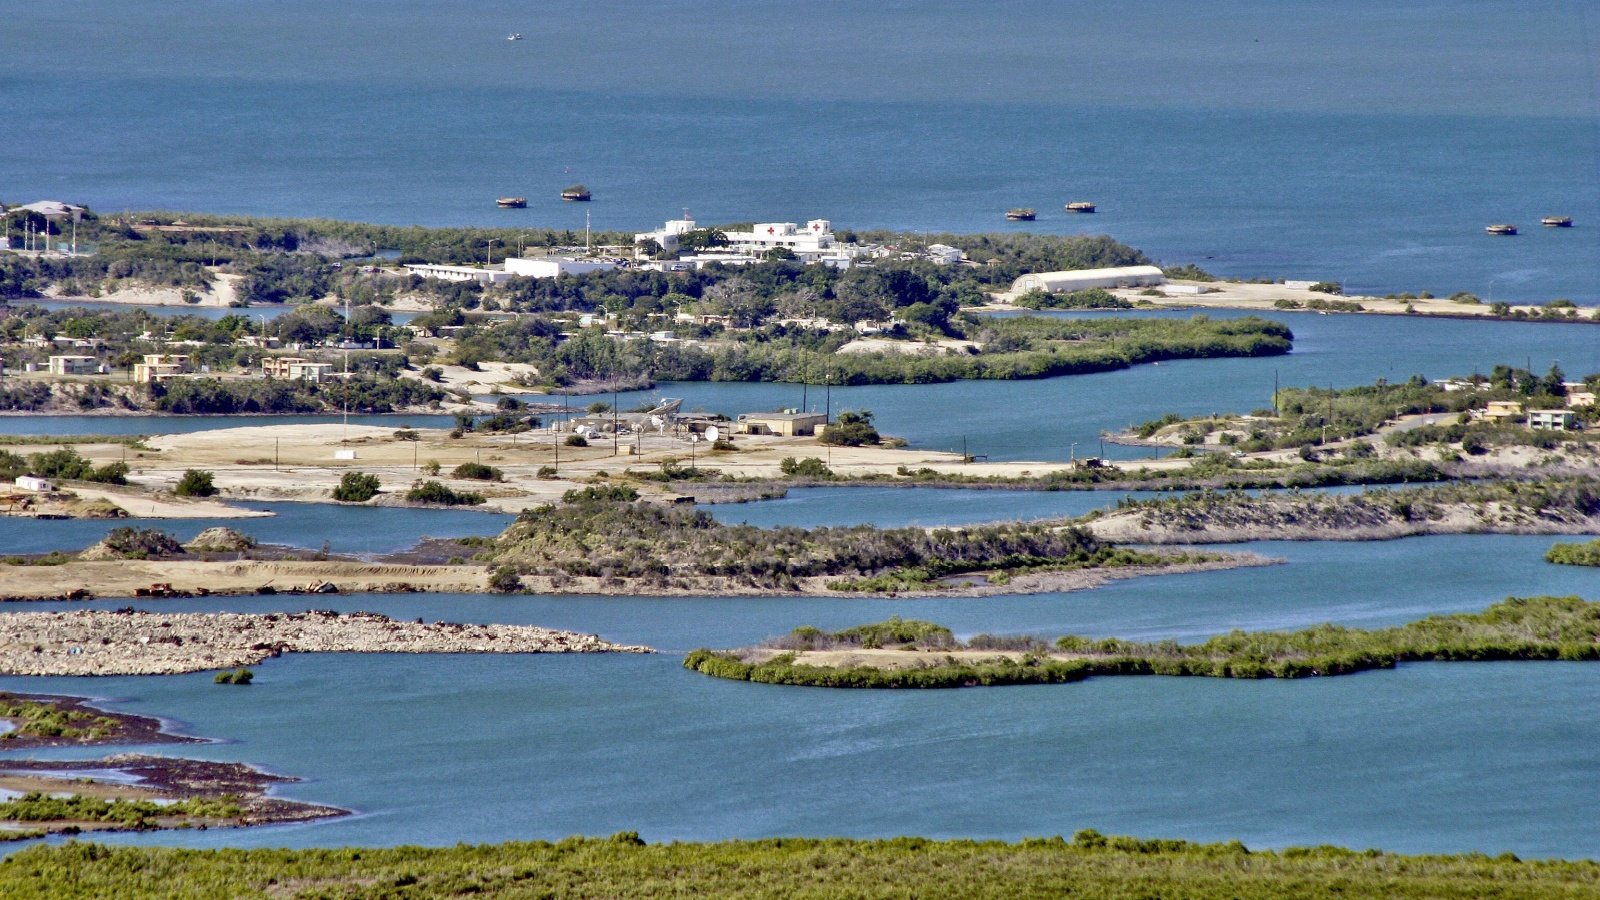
x: 785, y: 424
x: 1084, y: 279
x: 295, y: 368
x: 551, y: 266
x: 160, y: 367
x: 459, y: 273
x: 74, y: 365
x: 1552, y: 419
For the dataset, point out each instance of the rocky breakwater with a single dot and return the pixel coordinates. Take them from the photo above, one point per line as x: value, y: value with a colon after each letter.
x: 132, y: 642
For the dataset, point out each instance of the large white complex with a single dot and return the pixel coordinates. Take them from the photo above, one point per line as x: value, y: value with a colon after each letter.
x: 551, y: 266
x: 1084, y: 279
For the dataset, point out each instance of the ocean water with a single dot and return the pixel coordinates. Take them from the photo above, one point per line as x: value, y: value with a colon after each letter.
x: 1367, y: 142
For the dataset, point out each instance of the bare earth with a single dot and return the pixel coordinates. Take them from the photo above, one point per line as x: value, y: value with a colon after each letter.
x: 127, y: 642
x: 122, y: 578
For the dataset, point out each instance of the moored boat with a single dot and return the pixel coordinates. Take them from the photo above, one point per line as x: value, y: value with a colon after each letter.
x: 1556, y: 221
x: 576, y: 192
x: 1502, y: 229
x: 1020, y: 214
x: 1080, y: 206
x: 511, y: 202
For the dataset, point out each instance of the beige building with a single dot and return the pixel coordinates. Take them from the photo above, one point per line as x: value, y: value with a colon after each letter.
x: 1502, y: 409
x: 160, y: 367
x: 296, y: 368
x: 785, y: 424
x: 74, y: 365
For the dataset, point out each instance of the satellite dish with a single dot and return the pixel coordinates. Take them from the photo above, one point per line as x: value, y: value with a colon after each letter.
x: 712, y: 433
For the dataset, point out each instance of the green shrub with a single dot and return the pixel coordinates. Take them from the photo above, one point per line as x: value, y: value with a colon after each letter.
x: 477, y: 472
x: 237, y: 676
x: 434, y: 492
x: 195, y: 483
x: 356, y: 487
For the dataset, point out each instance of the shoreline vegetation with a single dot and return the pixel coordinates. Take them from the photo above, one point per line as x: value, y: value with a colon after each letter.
x: 140, y: 793
x: 1585, y: 554
x: 605, y: 537
x: 1550, y: 506
x: 1090, y: 864
x: 912, y: 654
x: 50, y: 720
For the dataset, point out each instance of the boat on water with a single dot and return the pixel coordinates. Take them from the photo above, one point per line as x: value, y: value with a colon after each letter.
x: 576, y: 192
x: 514, y: 36
x: 1502, y: 229
x: 1556, y: 221
x: 511, y: 202
x: 1020, y: 214
x: 1080, y: 206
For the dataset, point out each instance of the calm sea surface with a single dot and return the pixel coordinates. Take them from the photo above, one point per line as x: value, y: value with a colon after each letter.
x: 1367, y: 142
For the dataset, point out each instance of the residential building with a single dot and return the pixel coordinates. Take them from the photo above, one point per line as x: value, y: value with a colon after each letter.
x: 34, y: 483
x: 1552, y: 419
x: 296, y: 368
x: 1502, y: 409
x: 74, y: 365
x: 160, y: 367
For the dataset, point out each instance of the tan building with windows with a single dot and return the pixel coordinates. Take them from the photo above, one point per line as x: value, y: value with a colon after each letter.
x: 785, y: 424
x: 160, y: 367
x: 74, y: 365
x: 296, y: 368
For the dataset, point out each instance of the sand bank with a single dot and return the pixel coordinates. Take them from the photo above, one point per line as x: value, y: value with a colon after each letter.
x: 128, y: 642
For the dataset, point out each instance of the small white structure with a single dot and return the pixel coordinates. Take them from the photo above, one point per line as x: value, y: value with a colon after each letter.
x: 34, y: 483
x: 1084, y: 279
x: 944, y: 254
x: 551, y: 266
x: 296, y: 368
x: 459, y: 273
x: 73, y: 365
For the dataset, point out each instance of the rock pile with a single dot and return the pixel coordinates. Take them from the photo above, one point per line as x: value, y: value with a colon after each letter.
x: 219, y: 540
x: 131, y: 642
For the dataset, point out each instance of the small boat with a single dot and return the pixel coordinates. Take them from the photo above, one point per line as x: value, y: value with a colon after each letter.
x: 1501, y: 229
x: 514, y: 36
x: 511, y: 202
x: 1556, y: 221
x: 1020, y: 214
x: 1081, y: 206
x: 576, y: 192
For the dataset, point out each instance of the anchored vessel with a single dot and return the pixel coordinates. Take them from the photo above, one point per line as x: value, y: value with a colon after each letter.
x: 1080, y: 206
x: 576, y: 192
x: 1020, y: 214
x: 1501, y: 229
x: 1556, y: 221
x: 511, y: 202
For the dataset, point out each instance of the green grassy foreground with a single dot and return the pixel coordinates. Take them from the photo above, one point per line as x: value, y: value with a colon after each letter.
x: 1548, y: 628
x: 1088, y: 866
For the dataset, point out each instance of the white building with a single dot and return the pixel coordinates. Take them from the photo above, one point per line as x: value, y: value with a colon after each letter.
x: 34, y: 483
x: 667, y: 235
x: 944, y: 254
x: 551, y: 266
x: 74, y: 365
x: 809, y: 243
x: 1084, y: 279
x: 459, y: 273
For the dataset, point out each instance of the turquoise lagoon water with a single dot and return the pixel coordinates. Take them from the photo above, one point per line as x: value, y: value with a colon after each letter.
x: 359, y: 530
x: 439, y: 749
x: 1367, y: 142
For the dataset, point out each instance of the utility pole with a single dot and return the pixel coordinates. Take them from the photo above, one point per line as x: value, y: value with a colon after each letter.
x: 490, y: 251
x: 346, y: 436
x: 613, y: 415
